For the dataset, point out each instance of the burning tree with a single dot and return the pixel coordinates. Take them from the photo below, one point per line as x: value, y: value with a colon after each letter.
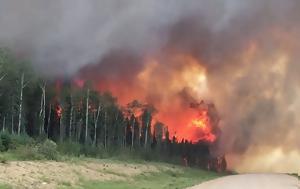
x: 148, y: 111
x: 132, y: 111
x: 207, y: 121
x: 89, y: 117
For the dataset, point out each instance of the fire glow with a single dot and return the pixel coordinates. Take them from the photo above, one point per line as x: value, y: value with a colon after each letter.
x: 59, y: 111
x: 171, y: 82
x: 202, y: 122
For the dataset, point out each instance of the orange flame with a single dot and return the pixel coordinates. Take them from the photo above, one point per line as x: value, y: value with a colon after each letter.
x: 59, y: 111
x: 202, y: 121
x: 203, y: 126
x: 170, y: 83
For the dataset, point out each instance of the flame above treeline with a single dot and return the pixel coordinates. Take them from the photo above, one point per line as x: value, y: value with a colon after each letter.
x: 173, y: 83
x: 243, y: 56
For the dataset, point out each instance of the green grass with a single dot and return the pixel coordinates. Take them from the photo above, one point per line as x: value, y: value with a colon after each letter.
x: 169, y: 176
x: 4, y: 186
x: 167, y: 179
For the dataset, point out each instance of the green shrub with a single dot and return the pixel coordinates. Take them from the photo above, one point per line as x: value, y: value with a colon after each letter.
x: 21, y: 140
x: 3, y: 160
x: 41, y: 138
x: 2, y: 148
x: 6, y: 141
x: 28, y: 153
x: 69, y: 148
x: 89, y: 150
x: 48, y: 149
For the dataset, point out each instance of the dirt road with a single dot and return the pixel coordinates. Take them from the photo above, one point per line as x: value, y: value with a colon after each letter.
x: 252, y: 181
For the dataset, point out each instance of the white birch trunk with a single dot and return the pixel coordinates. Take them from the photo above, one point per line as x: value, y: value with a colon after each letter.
x: 87, y: 115
x: 96, y: 124
x: 61, y: 128
x: 12, y: 123
x: 105, y: 130
x: 21, y: 104
x: 49, y: 119
x: 116, y: 137
x: 43, y: 109
x: 2, y: 77
x: 146, y: 134
x: 140, y: 133
x: 71, y: 117
x: 3, y: 126
x: 132, y: 132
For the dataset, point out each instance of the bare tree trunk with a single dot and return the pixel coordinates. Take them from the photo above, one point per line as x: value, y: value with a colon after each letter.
x: 20, y: 105
x: 71, y: 117
x: 146, y: 134
x: 140, y: 133
x: 49, y: 119
x: 116, y: 137
x: 132, y: 132
x: 61, y: 129
x: 12, y: 123
x: 79, y: 129
x: 124, y: 137
x: 87, y: 116
x: 74, y: 124
x: 3, y: 126
x: 96, y: 125
x: 2, y: 77
x: 43, y: 109
x: 105, y: 130
x: 41, y: 113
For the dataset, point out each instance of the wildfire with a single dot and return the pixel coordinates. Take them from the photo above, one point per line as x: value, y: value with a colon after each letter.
x: 59, y: 111
x: 203, y: 127
x: 169, y: 81
x: 202, y: 121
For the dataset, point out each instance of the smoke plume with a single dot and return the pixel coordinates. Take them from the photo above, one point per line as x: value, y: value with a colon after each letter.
x: 241, y: 55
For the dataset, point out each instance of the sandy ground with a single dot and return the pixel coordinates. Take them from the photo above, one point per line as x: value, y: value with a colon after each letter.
x: 252, y: 181
x: 49, y: 174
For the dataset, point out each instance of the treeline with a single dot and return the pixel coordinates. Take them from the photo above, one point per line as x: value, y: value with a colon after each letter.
x: 62, y: 111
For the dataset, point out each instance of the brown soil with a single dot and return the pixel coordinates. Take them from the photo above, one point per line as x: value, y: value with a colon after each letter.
x: 49, y: 174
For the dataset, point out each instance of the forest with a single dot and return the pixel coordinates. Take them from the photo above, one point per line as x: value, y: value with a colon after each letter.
x: 83, y: 121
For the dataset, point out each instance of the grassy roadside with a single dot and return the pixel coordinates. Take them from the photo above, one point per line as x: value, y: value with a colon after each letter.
x: 4, y: 186
x: 162, y: 180
x: 149, y: 175
x: 40, y: 163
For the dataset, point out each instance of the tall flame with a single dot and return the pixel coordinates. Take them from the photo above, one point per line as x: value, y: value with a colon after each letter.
x: 170, y: 82
x: 202, y: 123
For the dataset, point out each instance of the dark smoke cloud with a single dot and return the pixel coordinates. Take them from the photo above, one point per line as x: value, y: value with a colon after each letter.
x: 250, y: 50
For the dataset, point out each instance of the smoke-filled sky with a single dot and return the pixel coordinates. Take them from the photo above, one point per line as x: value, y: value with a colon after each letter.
x: 241, y: 55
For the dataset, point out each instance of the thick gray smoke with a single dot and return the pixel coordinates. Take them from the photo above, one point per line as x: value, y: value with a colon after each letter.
x: 73, y: 33
x: 250, y: 49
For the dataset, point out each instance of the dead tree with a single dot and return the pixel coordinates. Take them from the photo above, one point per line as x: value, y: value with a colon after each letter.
x: 3, y: 126
x: 12, y: 123
x: 42, y: 114
x: 49, y: 119
x: 132, y: 132
x: 71, y: 117
x: 2, y: 77
x: 96, y: 125
x: 105, y: 130
x: 22, y: 86
x: 87, y: 115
